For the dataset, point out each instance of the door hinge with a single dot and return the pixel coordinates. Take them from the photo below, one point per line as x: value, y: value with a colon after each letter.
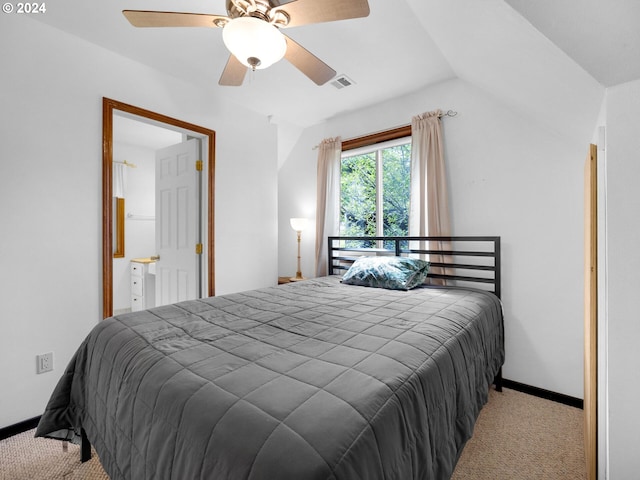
x: 198, y: 249
x: 199, y: 165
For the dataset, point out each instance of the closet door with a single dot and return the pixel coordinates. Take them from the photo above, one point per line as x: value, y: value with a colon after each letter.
x: 591, y: 312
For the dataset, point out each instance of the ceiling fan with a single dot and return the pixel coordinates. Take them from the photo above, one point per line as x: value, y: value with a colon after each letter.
x: 251, y: 32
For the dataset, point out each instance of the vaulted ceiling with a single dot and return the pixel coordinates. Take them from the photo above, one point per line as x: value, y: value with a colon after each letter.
x: 602, y: 37
x: 535, y: 55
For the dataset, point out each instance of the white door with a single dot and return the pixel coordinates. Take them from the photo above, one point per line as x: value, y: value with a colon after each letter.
x: 178, y: 242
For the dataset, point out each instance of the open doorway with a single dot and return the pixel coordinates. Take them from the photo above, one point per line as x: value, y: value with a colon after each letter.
x: 136, y: 146
x: 142, y: 151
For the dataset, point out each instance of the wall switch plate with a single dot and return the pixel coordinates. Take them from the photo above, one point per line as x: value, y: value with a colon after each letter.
x: 44, y: 362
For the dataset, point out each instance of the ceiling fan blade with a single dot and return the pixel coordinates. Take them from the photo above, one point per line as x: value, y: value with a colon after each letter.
x: 233, y: 74
x: 308, y: 63
x: 304, y: 12
x: 144, y: 18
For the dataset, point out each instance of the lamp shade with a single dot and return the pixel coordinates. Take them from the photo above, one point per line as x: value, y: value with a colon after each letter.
x: 254, y: 42
x: 298, y: 224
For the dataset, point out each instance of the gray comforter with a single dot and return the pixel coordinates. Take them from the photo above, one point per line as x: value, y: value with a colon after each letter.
x: 310, y: 380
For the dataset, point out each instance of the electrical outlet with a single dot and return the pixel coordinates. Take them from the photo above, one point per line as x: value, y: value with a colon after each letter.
x: 44, y: 362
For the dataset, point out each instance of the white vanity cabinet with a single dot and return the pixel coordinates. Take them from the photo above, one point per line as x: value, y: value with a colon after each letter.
x: 143, y: 285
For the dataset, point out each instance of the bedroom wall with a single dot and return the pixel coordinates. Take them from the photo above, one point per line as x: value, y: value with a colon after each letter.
x: 50, y: 194
x: 622, y: 263
x: 508, y: 176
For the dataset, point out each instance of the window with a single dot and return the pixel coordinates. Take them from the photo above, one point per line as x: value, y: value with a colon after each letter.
x: 375, y: 190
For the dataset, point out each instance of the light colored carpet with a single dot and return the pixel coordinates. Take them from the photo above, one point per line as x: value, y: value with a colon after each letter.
x: 23, y: 457
x: 522, y: 437
x: 517, y: 437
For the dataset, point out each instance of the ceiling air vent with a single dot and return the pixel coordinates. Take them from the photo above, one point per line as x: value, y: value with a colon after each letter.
x: 342, y: 81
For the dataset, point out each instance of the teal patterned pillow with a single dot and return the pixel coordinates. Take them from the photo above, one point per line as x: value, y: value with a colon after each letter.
x: 396, y: 273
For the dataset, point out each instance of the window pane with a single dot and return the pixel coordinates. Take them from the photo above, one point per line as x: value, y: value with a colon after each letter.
x: 396, y: 172
x: 361, y: 206
x: 358, y: 195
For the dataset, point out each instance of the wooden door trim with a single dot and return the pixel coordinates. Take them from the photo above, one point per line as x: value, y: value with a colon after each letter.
x: 108, y: 107
x: 591, y: 313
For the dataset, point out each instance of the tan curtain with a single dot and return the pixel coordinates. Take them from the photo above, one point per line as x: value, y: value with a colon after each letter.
x: 429, y: 207
x: 328, y: 199
x: 118, y: 179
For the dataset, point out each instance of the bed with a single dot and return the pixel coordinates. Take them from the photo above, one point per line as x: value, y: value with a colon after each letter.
x: 316, y: 379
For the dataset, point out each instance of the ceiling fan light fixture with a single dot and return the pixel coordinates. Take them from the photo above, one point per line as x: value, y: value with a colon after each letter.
x: 255, y: 43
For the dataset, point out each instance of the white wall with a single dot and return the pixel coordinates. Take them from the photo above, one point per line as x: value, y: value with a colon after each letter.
x: 51, y: 92
x: 622, y: 231
x: 508, y: 176
x: 297, y: 198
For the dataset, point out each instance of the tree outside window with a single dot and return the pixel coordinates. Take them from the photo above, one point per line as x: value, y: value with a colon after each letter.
x: 375, y: 191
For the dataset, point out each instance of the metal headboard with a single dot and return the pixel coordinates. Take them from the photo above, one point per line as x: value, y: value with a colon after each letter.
x: 463, y: 260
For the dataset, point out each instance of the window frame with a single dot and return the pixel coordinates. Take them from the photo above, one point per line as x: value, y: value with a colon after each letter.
x: 379, y: 137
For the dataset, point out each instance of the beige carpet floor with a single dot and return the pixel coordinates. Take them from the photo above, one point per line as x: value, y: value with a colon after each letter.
x: 517, y: 437
x: 522, y: 437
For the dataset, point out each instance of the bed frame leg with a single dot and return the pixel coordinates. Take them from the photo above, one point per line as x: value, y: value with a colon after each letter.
x: 498, y: 380
x: 85, y: 447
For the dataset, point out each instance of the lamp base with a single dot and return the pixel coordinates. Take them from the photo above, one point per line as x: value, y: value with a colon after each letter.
x: 297, y: 278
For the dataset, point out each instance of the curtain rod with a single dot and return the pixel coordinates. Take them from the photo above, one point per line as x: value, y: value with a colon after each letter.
x: 126, y: 164
x: 448, y: 113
